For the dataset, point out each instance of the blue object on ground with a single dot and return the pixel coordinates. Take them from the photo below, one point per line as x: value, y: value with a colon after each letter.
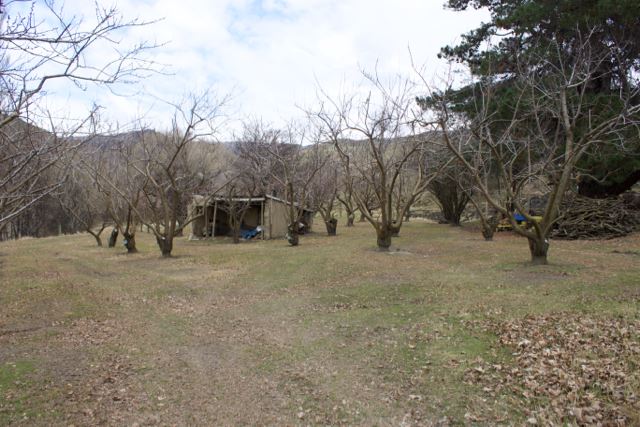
x: 519, y: 217
x: 250, y: 234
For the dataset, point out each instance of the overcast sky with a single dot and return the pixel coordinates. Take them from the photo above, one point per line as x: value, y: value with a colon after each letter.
x: 269, y: 54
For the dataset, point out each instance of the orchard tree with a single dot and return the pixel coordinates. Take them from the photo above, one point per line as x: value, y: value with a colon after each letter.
x: 344, y: 195
x: 41, y: 43
x: 324, y: 194
x: 118, y: 184
x: 286, y: 162
x: 554, y: 120
x: 238, y: 193
x: 606, y: 33
x: 376, y: 142
x: 84, y: 204
x: 160, y: 171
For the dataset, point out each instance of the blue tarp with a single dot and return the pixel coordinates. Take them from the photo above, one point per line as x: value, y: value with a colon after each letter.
x: 251, y: 233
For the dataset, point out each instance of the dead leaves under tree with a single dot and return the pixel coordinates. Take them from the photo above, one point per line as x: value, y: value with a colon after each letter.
x: 568, y: 368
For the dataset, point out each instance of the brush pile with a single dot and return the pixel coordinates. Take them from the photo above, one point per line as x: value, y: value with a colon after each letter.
x: 587, y: 218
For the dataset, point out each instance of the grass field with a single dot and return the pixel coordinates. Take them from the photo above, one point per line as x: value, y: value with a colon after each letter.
x: 444, y: 329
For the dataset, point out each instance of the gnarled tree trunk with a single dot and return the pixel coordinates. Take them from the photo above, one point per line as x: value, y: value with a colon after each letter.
x: 384, y: 238
x: 293, y: 235
x: 332, y: 226
x: 488, y: 228
x: 113, y: 238
x: 350, y: 218
x: 394, y: 229
x: 166, y: 245
x: 98, y: 239
x: 130, y: 242
x: 539, y: 248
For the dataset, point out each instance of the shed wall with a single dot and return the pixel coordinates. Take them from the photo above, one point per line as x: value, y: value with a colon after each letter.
x: 278, y: 220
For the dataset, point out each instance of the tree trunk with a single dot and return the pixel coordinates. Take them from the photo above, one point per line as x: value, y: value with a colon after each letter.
x: 489, y: 228
x: 350, y: 218
x: 98, y: 239
x: 293, y: 238
x: 332, y: 226
x: 362, y: 218
x: 293, y: 234
x: 384, y: 238
x: 113, y: 238
x: 166, y: 246
x: 394, y: 229
x: 539, y: 248
x: 487, y: 232
x: 130, y: 242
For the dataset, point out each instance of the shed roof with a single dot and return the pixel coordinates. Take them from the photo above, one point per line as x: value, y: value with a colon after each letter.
x: 199, y: 200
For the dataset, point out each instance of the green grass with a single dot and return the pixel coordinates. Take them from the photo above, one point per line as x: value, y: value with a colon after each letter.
x: 250, y: 333
x: 14, y: 384
x: 12, y: 373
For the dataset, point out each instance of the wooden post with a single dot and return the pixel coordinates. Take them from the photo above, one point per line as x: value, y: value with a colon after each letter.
x: 270, y: 219
x: 215, y: 214
x: 262, y: 219
x: 205, y: 206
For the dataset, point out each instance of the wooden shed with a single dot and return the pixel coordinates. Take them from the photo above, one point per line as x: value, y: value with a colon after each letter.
x: 268, y: 212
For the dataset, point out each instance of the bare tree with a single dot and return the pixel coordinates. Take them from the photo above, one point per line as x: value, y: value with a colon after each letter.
x: 344, y: 195
x: 37, y: 47
x: 368, y: 201
x: 553, y: 120
x: 160, y: 171
x: 376, y: 143
x: 286, y: 162
x: 324, y: 195
x: 488, y: 221
x: 119, y: 184
x: 81, y: 201
x: 238, y: 194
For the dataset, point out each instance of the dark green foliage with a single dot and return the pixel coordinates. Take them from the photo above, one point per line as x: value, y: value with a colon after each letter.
x: 522, y: 25
x: 561, y: 32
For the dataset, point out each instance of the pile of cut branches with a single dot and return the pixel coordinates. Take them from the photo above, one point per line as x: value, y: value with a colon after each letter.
x: 587, y: 218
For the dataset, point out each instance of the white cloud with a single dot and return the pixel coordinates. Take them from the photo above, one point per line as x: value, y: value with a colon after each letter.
x: 271, y: 52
